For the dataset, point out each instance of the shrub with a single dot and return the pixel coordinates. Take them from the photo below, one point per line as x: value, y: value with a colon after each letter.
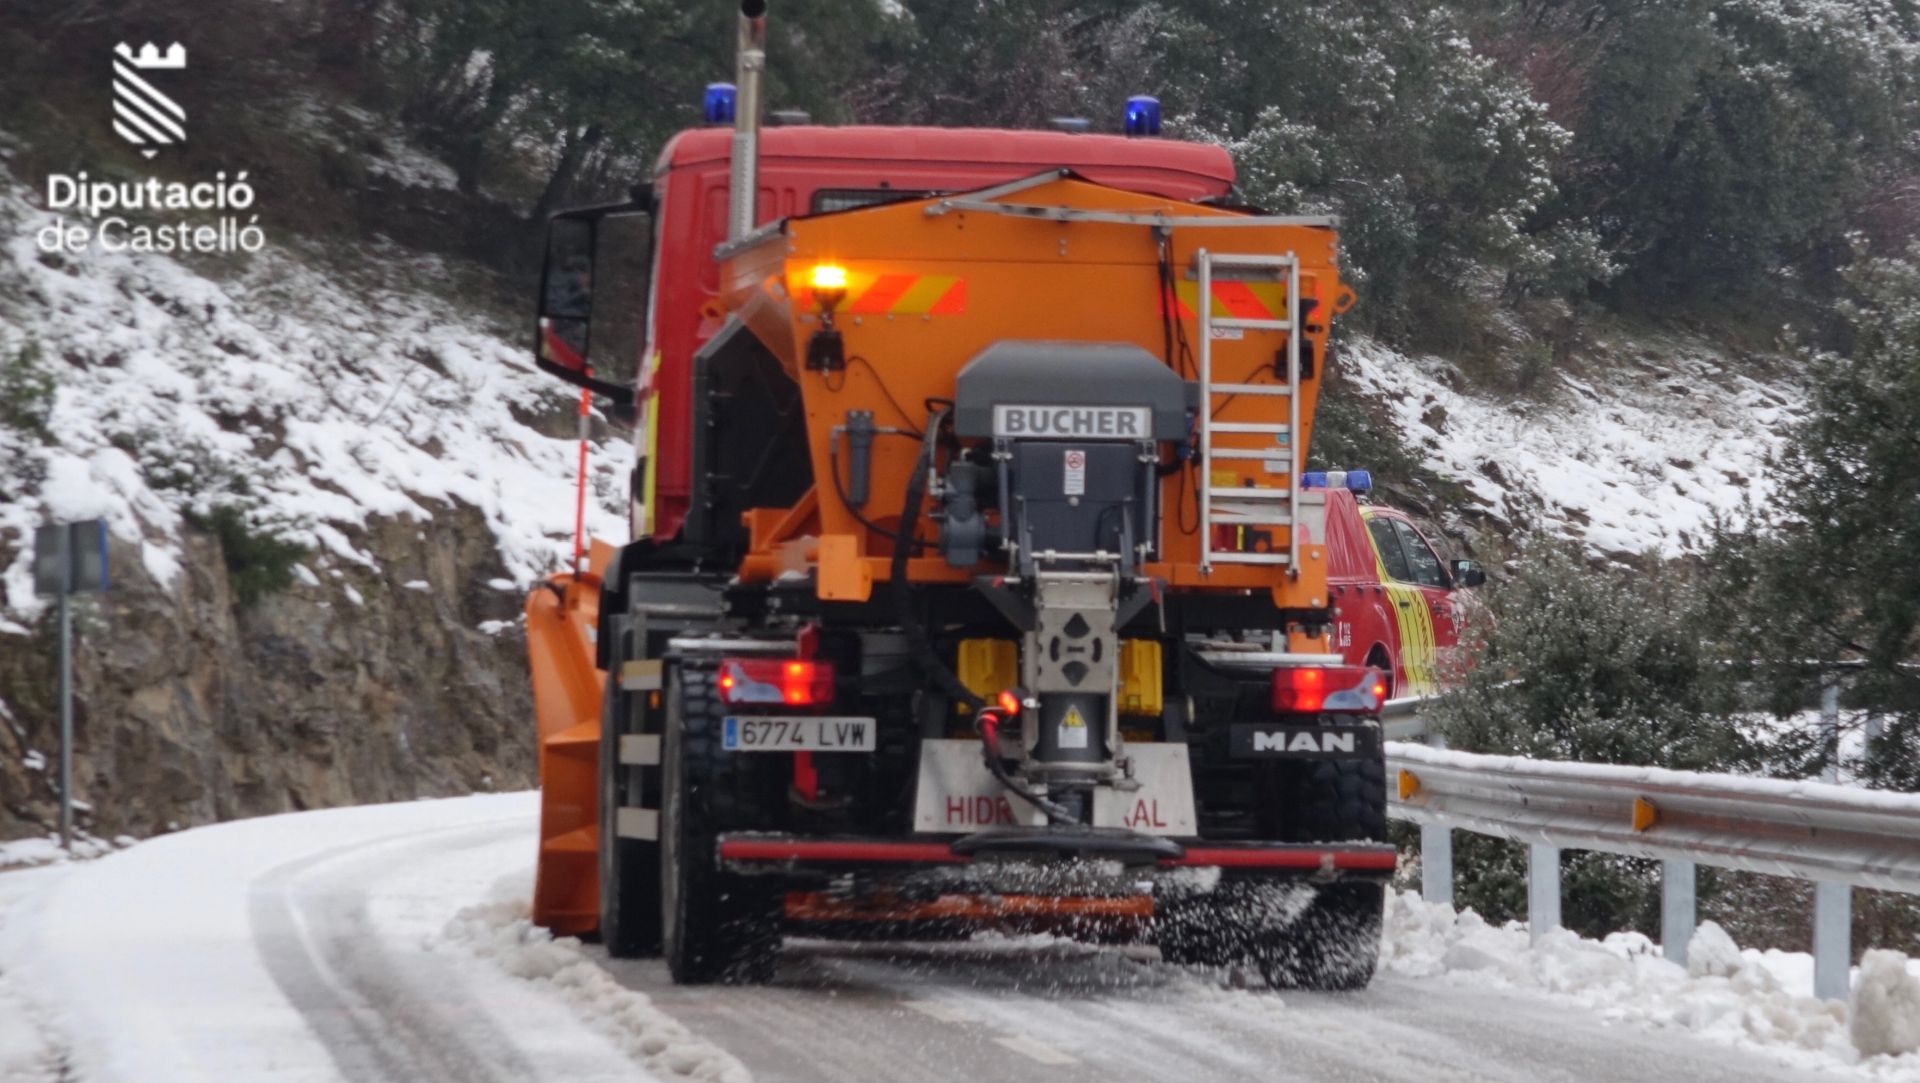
x: 26, y: 391
x: 258, y: 561
x: 1602, y: 665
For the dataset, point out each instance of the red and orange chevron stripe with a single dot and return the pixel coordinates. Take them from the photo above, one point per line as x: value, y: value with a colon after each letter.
x: 1236, y: 300
x: 905, y: 294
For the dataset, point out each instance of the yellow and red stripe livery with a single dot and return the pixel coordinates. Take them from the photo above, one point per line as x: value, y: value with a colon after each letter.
x: 904, y: 295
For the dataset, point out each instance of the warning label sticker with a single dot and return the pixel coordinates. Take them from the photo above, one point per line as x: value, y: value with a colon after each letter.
x: 1073, y: 728
x: 1075, y: 481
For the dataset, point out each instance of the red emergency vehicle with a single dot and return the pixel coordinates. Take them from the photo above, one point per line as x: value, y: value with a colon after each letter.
x: 1396, y: 603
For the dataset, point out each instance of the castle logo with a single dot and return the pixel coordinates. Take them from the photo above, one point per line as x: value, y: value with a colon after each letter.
x: 142, y: 114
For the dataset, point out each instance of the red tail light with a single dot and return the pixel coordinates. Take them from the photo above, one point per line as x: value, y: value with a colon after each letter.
x: 776, y: 680
x: 1328, y: 689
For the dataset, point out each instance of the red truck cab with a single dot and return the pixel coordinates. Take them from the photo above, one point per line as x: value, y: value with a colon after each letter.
x: 1396, y: 604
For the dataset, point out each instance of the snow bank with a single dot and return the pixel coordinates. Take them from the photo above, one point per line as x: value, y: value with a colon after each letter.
x: 1640, y: 464
x: 47, y: 851
x: 1712, y: 953
x: 1886, y: 1005
x: 1725, y: 995
x: 504, y: 933
x: 315, y: 397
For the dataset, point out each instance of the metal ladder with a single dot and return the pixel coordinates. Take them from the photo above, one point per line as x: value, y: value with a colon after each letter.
x: 1227, y: 505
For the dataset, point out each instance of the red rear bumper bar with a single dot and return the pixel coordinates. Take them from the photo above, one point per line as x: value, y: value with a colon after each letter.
x: 838, y: 851
x: 1360, y: 857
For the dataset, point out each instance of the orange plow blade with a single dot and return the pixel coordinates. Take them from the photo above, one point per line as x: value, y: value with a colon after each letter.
x: 567, y: 688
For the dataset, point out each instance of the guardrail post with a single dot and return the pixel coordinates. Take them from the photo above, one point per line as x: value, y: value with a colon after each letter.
x: 1832, y: 902
x: 1830, y: 730
x: 1832, y: 940
x: 1677, y: 917
x: 1436, y: 853
x: 1543, y: 890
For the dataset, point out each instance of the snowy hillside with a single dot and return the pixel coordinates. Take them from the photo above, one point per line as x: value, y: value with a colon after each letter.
x: 347, y: 426
x: 314, y: 399
x: 1637, y: 461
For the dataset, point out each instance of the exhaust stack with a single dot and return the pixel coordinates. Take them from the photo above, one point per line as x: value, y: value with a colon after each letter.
x: 743, y: 180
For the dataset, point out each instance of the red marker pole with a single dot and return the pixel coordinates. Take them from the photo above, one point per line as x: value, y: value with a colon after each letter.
x: 580, y: 497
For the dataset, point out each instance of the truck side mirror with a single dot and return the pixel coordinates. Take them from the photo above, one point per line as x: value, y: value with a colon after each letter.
x: 1468, y: 573
x: 595, y: 253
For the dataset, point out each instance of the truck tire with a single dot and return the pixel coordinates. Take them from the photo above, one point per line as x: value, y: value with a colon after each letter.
x: 1328, y: 800
x: 716, y: 926
x: 629, y: 868
x: 1333, y: 943
x: 1329, y: 941
x: 1333, y: 946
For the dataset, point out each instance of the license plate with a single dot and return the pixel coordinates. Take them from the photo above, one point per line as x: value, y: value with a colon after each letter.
x: 808, y: 733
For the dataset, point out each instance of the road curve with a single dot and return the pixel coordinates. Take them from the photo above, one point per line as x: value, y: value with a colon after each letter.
x: 382, y: 1015
x: 316, y: 947
x: 306, y: 948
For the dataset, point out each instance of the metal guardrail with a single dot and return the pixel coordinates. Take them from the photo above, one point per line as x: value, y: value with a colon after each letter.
x: 1838, y: 837
x: 1805, y: 830
x: 1400, y: 719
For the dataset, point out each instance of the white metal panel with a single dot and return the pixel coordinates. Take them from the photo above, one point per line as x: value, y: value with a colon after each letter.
x: 1163, y: 805
x: 957, y: 794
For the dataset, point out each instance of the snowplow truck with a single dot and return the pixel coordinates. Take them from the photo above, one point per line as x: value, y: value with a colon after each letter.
x: 969, y: 581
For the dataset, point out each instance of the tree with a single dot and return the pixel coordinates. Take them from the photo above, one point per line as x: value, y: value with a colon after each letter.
x: 1719, y: 142
x: 1436, y: 160
x: 1021, y: 63
x: 1828, y: 569
x: 580, y: 79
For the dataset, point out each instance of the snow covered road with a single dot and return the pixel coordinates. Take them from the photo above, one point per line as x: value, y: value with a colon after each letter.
x: 1027, y: 1010
x: 386, y: 943
x: 299, y: 948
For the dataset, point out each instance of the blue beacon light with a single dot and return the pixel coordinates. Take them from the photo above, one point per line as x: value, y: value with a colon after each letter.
x: 1355, y: 481
x: 719, y: 106
x: 1143, y: 115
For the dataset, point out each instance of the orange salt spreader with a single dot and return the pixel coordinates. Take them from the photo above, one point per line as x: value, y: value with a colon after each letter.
x: 970, y: 581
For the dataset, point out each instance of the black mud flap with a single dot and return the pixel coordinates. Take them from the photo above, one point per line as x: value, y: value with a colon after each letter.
x: 1266, y: 741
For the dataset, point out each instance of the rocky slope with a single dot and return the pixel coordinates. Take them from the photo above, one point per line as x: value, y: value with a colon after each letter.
x: 329, y: 480
x: 191, y: 708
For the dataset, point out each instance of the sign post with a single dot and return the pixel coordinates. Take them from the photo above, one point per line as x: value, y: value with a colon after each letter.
x: 68, y: 559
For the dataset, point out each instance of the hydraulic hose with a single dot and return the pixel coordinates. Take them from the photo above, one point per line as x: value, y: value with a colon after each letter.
x: 986, y: 720
x: 918, y: 642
